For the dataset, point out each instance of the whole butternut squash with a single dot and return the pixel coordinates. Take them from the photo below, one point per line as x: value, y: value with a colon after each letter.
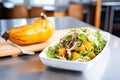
x: 38, y: 31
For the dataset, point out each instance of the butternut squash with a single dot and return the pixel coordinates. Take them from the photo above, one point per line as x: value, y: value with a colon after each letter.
x: 62, y: 51
x: 76, y: 55
x: 81, y: 48
x: 88, y: 45
x: 91, y: 55
x: 38, y: 31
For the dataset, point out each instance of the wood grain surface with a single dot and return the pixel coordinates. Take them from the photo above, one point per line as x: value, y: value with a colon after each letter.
x: 7, y: 49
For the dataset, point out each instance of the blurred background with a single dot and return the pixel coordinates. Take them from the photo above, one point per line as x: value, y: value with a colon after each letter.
x: 108, y: 16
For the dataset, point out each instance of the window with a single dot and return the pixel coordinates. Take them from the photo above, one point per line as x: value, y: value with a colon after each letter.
x: 17, y: 1
x: 44, y: 2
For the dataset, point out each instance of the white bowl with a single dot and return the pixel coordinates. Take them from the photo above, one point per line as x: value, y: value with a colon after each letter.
x: 73, y: 65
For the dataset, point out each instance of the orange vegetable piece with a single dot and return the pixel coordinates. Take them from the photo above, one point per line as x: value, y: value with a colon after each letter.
x: 76, y: 55
x: 81, y: 48
x: 88, y: 45
x: 62, y: 51
x: 92, y: 55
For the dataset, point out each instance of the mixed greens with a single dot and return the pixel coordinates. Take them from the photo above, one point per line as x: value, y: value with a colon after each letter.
x: 79, y: 44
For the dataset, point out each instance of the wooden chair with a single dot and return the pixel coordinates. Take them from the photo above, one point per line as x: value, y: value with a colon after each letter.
x: 20, y: 11
x: 76, y: 11
x: 35, y: 11
x: 8, y: 13
x: 56, y: 13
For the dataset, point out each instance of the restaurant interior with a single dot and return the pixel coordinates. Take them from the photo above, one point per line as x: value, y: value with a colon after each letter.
x: 84, y: 10
x: 59, y: 39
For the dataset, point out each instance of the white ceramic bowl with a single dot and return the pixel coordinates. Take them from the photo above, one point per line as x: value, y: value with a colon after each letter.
x: 73, y: 65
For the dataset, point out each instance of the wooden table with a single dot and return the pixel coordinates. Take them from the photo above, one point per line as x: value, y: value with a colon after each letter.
x: 29, y: 67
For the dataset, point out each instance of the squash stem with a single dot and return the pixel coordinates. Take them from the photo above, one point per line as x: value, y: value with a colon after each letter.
x: 43, y: 16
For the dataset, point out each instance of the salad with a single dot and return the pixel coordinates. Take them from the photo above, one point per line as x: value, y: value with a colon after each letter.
x: 79, y: 44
